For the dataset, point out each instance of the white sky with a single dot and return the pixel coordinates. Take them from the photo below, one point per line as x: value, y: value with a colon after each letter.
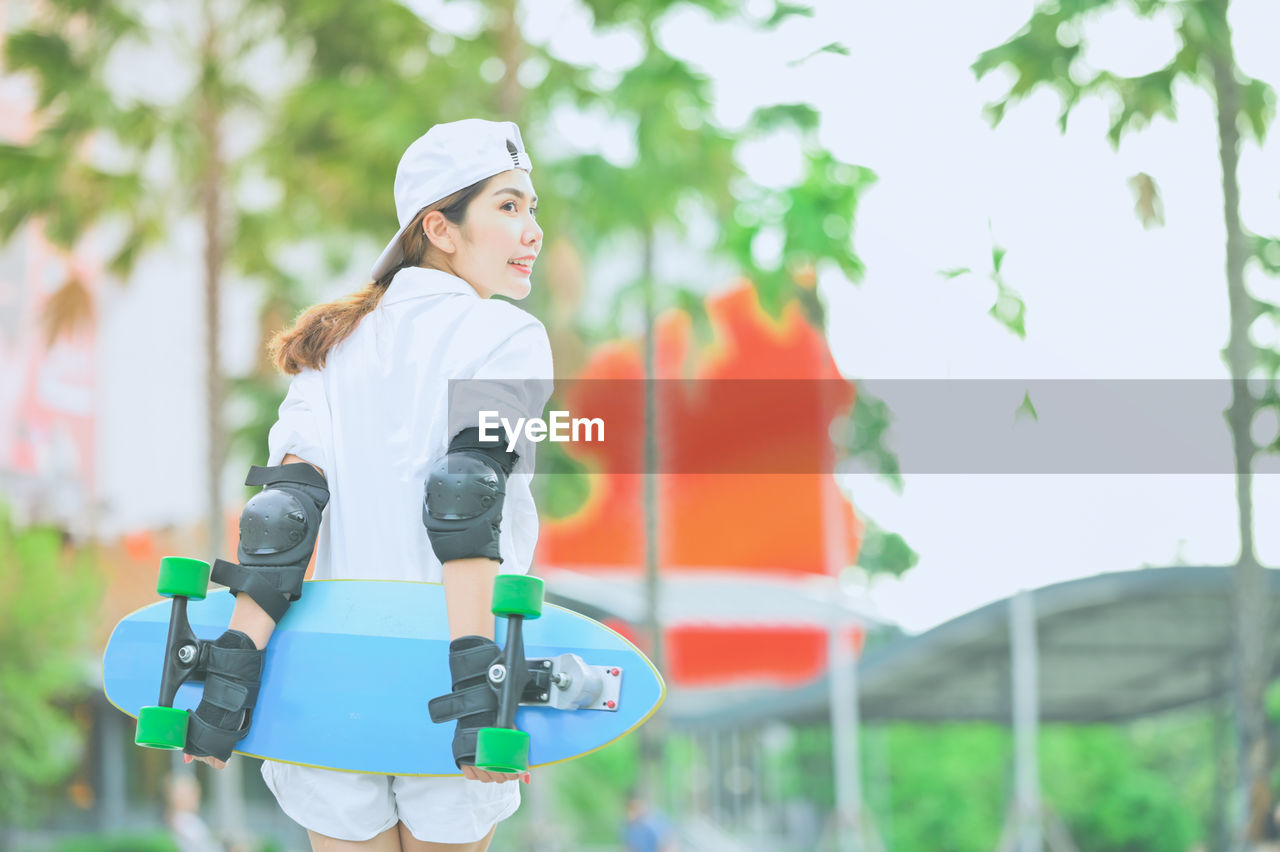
x: 1105, y: 299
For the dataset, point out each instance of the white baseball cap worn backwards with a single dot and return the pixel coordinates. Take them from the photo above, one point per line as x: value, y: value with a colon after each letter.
x: 445, y: 159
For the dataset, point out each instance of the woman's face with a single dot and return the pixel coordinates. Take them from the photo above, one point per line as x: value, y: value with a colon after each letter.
x: 500, y: 239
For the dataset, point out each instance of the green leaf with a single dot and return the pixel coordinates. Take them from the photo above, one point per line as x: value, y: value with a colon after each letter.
x: 1267, y: 252
x: 1026, y: 409
x: 1147, y: 204
x: 770, y: 118
x: 834, y: 47
x: 1036, y: 57
x: 863, y: 440
x: 1258, y: 107
x: 883, y: 552
x: 1010, y: 311
x: 782, y: 11
x: 1141, y: 99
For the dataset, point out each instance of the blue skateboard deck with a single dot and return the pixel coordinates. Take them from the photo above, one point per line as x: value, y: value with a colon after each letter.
x: 350, y: 668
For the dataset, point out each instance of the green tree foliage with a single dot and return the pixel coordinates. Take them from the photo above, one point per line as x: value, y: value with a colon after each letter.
x: 949, y: 785
x: 1111, y: 795
x: 1144, y: 787
x: 48, y: 593
x: 591, y: 792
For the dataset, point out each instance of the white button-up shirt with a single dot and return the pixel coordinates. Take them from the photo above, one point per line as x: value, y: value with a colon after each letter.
x: 375, y: 419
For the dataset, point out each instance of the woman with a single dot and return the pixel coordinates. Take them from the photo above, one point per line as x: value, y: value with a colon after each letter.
x: 369, y: 409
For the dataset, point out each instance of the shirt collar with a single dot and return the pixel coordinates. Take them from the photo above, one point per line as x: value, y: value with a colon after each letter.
x: 416, y: 282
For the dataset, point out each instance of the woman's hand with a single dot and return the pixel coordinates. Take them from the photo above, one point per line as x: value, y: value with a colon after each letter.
x: 486, y: 777
x: 212, y: 761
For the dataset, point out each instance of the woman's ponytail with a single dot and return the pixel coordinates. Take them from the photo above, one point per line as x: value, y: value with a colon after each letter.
x: 322, y: 327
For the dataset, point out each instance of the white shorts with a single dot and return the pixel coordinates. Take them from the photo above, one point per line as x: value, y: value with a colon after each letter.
x: 351, y: 806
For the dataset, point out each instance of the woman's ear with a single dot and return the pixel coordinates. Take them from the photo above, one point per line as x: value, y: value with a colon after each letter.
x: 439, y: 231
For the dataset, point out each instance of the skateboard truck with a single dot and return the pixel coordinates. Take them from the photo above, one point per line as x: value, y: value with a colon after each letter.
x: 566, y: 682
x: 186, y: 657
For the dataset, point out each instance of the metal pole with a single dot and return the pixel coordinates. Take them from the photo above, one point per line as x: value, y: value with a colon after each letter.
x: 736, y: 791
x: 759, y: 824
x: 1026, y: 717
x: 843, y: 680
x: 844, y: 730
x: 717, y: 776
x: 652, y: 734
x: 113, y: 742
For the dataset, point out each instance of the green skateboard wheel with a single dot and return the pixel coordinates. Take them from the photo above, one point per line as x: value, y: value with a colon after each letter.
x: 161, y: 727
x: 182, y: 576
x: 502, y: 750
x: 517, y: 594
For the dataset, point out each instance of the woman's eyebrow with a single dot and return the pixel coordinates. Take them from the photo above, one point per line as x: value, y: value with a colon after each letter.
x: 516, y: 192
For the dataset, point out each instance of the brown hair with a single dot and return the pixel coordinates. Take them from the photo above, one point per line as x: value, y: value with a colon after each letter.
x: 321, y: 327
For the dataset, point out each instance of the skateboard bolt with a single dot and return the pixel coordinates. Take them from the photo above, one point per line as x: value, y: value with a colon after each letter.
x: 497, y: 673
x: 611, y: 704
x: 187, y: 653
x: 613, y: 672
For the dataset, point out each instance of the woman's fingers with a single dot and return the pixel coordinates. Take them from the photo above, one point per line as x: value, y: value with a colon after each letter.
x: 212, y: 761
x: 486, y: 777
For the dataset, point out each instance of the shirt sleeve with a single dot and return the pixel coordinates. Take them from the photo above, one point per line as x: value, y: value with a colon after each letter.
x: 302, y: 427
x: 515, y: 380
x: 510, y: 385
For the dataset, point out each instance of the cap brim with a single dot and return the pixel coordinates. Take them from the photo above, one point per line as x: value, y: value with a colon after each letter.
x: 391, y: 258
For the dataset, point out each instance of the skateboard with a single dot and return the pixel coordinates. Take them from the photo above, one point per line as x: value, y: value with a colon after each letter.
x: 350, y: 670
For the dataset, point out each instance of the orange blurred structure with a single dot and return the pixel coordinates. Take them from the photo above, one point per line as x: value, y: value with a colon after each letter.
x: 739, y: 521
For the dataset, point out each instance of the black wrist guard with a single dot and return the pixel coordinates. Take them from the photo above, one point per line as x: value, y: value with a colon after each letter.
x: 230, y: 692
x: 473, y: 702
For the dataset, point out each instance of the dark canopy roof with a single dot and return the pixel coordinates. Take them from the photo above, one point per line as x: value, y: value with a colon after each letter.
x: 1111, y: 647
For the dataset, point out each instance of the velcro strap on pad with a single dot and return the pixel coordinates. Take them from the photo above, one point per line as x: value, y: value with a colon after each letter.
x: 204, y: 739
x: 470, y: 662
x: 233, y: 677
x: 299, y: 472
x: 464, y: 746
x: 227, y: 694
x: 473, y: 699
x: 261, y: 584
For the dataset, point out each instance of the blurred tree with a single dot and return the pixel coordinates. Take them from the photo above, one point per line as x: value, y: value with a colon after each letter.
x: 48, y: 593
x: 1104, y: 788
x: 92, y: 166
x: 1142, y: 787
x: 1047, y: 53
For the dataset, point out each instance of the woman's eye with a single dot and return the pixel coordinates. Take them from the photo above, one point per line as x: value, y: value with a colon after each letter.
x: 533, y: 211
x: 510, y: 204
